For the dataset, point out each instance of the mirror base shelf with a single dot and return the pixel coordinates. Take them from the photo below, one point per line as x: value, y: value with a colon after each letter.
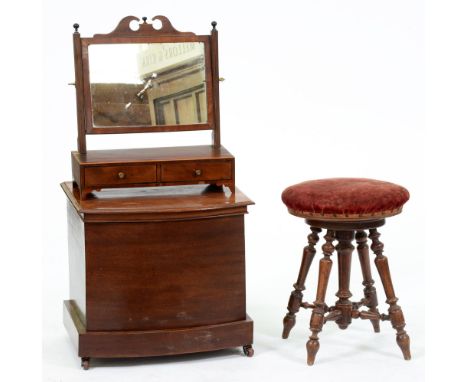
x: 152, y: 167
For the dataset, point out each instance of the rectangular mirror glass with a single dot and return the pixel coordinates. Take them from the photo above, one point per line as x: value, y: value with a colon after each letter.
x: 147, y: 84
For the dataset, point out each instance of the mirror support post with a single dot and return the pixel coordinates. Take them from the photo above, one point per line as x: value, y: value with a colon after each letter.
x: 215, y: 81
x: 79, y: 90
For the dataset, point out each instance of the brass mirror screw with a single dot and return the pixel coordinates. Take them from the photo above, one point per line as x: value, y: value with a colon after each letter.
x: 197, y: 172
x: 221, y: 79
x: 71, y: 83
x: 121, y: 175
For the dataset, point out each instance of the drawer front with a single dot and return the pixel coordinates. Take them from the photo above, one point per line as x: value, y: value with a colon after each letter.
x: 195, y: 170
x: 115, y: 175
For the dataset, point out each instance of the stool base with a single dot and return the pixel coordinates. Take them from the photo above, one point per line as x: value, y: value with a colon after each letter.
x: 344, y: 309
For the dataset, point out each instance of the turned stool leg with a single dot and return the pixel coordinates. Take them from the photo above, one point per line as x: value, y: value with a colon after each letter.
x: 295, y: 299
x: 318, y: 313
x: 344, y: 250
x: 396, y: 314
x: 370, y: 293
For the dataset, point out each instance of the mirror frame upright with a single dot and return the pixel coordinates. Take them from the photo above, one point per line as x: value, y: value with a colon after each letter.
x: 145, y: 34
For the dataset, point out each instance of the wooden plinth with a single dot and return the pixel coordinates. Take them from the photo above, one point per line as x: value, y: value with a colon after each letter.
x: 146, y: 343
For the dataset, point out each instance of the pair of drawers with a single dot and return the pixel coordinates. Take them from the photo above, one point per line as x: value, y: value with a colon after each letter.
x: 170, y: 172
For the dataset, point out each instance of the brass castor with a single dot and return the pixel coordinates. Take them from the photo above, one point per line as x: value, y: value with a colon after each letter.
x: 85, y: 363
x: 248, y: 350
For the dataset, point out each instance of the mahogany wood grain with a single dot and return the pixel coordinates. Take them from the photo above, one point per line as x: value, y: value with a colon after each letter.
x: 215, y: 85
x: 195, y: 170
x: 218, y: 174
x: 345, y: 310
x: 100, y: 169
x: 120, y: 175
x: 396, y: 314
x: 145, y: 343
x: 295, y: 299
x: 160, y: 270
x: 148, y: 128
x: 344, y: 250
x: 370, y: 293
x: 79, y: 87
x: 77, y: 260
x: 150, y: 155
x: 157, y: 204
x: 157, y: 271
x: 318, y: 313
x: 346, y: 225
x: 146, y: 33
x: 144, y: 29
x: 139, y: 280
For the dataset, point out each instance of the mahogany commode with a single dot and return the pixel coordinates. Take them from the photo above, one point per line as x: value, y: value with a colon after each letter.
x: 346, y: 208
x: 153, y: 270
x: 156, y: 272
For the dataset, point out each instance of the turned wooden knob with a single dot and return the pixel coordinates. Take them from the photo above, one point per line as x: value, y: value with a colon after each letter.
x: 197, y: 172
x: 121, y: 175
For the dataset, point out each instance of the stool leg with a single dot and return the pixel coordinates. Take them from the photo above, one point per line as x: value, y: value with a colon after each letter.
x: 344, y: 250
x: 370, y: 293
x: 396, y: 314
x: 295, y: 299
x: 318, y: 313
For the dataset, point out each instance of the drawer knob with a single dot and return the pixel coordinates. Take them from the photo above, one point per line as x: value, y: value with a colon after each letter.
x: 197, y: 172
x: 121, y: 175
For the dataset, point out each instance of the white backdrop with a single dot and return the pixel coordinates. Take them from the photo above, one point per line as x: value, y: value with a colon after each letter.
x: 313, y: 89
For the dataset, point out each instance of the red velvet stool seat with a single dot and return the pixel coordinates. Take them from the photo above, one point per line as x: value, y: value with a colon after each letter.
x: 347, y: 208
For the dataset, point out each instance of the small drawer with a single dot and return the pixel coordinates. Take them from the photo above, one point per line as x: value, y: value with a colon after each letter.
x: 196, y: 170
x: 115, y: 175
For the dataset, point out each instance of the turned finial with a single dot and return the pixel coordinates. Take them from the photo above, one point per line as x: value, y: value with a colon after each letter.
x: 144, y: 18
x: 213, y: 24
x: 76, y: 26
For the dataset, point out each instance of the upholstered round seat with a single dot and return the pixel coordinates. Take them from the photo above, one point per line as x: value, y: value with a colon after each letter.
x: 345, y: 199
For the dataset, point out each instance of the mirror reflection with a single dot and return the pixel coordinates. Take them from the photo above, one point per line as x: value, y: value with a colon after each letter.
x: 147, y: 84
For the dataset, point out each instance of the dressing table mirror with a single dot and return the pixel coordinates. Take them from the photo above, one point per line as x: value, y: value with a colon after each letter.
x: 153, y: 270
x: 147, y: 77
